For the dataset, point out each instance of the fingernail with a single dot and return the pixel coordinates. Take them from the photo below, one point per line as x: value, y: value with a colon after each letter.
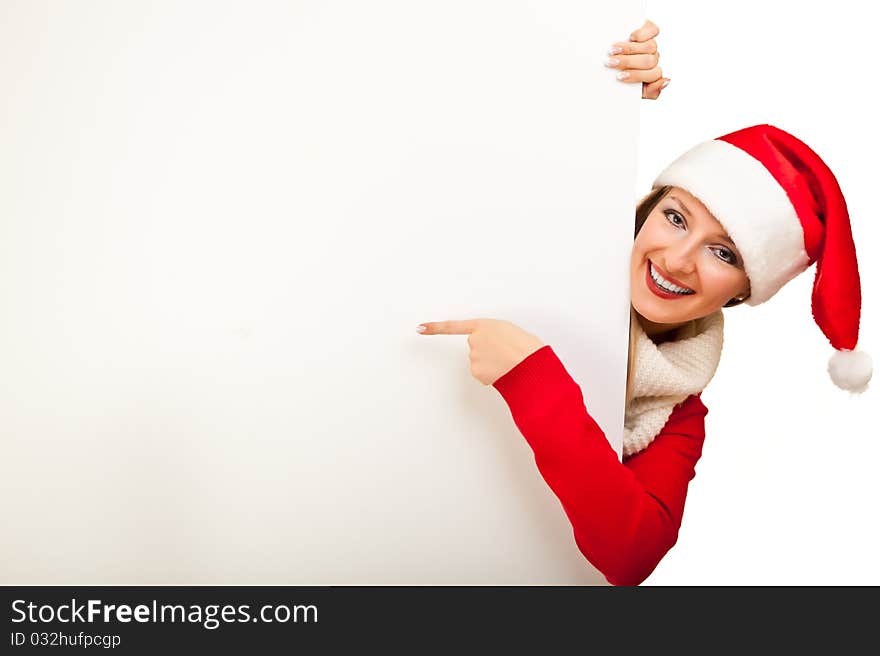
x: 421, y: 329
x: 615, y: 50
x: 622, y: 75
x: 665, y: 84
x: 611, y: 61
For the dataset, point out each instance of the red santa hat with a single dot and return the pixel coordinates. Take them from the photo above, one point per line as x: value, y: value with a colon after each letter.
x: 783, y: 208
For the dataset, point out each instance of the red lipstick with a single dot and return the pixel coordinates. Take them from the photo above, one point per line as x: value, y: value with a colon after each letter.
x: 662, y: 293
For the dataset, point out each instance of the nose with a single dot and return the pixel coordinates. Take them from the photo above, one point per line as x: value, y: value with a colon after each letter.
x: 681, y: 258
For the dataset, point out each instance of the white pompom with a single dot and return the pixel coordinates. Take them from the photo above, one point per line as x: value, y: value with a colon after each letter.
x: 850, y: 370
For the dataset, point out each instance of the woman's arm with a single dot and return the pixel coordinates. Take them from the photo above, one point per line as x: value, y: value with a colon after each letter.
x: 625, y: 516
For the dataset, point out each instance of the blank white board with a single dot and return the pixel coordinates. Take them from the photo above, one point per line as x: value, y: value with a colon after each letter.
x: 220, y: 224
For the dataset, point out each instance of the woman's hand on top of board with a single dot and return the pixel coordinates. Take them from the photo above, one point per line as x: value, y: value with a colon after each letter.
x: 638, y: 60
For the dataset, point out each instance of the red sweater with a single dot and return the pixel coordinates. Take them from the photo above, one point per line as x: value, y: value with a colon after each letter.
x: 625, y: 515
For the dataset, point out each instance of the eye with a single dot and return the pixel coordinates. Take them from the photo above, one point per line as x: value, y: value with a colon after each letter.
x: 727, y: 256
x: 670, y: 214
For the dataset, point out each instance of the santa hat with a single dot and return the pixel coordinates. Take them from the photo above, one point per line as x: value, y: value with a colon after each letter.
x: 783, y: 208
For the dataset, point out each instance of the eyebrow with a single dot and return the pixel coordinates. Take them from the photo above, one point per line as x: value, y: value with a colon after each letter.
x: 688, y: 214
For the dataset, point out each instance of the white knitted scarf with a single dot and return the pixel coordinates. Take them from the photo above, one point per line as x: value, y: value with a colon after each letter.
x: 667, y: 373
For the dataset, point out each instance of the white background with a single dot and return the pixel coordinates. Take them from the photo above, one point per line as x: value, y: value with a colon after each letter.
x: 222, y: 223
x: 786, y: 490
x: 784, y: 493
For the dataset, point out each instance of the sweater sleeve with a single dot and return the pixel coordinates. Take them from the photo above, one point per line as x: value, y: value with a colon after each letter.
x: 625, y: 516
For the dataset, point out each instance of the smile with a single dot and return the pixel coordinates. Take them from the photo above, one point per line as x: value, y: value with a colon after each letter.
x: 662, y: 287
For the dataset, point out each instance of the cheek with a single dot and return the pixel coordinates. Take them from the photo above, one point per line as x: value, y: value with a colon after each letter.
x: 633, y: 257
x: 722, y: 284
x: 640, y: 245
x: 636, y: 258
x: 651, y: 236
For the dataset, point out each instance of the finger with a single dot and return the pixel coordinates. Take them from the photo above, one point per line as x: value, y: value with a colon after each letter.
x: 640, y: 76
x: 639, y: 62
x: 652, y: 91
x: 632, y: 48
x: 449, y: 327
x: 645, y: 32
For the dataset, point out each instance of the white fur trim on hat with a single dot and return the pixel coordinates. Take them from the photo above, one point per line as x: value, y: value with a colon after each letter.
x: 751, y: 205
x: 850, y: 370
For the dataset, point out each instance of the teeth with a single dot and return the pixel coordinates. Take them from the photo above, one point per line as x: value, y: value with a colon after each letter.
x: 665, y: 284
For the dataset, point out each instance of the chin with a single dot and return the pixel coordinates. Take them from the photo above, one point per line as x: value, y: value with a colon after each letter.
x: 658, y: 314
x: 658, y: 310
x: 651, y: 313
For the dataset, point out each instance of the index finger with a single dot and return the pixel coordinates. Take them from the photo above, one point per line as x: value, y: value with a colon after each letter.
x: 465, y: 327
x: 645, y: 32
x: 648, y: 47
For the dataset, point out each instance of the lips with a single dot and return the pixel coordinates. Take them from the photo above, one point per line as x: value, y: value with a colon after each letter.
x: 666, y: 276
x: 662, y: 293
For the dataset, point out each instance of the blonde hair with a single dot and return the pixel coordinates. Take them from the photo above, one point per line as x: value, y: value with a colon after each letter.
x: 631, y: 358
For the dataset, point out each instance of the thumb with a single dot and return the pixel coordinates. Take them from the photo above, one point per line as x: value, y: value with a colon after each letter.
x: 652, y: 91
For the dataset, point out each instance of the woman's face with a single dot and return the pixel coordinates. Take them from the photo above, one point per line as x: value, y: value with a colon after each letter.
x: 683, y: 244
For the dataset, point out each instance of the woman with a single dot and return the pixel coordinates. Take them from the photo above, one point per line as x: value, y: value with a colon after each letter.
x: 729, y: 222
